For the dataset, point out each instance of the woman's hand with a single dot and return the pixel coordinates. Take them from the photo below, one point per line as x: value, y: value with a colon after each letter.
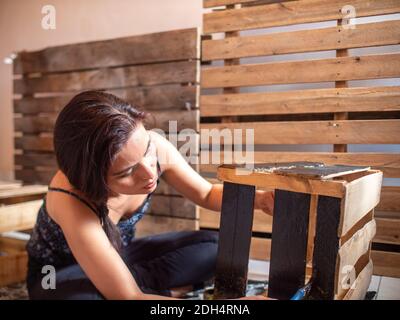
x: 264, y: 200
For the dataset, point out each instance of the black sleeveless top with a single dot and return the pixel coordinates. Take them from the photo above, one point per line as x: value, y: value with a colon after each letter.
x: 48, y: 246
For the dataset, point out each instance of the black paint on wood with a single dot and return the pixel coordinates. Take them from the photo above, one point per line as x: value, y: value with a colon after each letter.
x: 326, y: 248
x: 234, y: 241
x: 289, y: 244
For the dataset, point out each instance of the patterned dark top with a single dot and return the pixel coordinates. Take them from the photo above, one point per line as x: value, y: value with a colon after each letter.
x: 48, y: 246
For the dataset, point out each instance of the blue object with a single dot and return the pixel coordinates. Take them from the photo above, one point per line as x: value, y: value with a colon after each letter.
x: 302, y: 292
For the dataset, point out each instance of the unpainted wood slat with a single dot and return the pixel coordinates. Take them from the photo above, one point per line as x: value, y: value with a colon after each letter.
x: 361, y: 284
x: 387, y: 231
x: 154, y: 224
x: 362, y: 196
x: 308, y: 132
x: 323, y: 70
x: 364, y: 35
x: 185, y: 119
x: 110, y: 78
x: 334, y: 188
x: 262, y: 222
x: 7, y: 185
x: 35, y: 176
x: 302, y: 101
x: 217, y: 3
x: 20, y: 216
x: 388, y: 163
x: 294, y: 12
x: 173, y: 206
x: 34, y: 143
x: 45, y: 143
x: 385, y: 263
x: 150, y: 48
x: 390, y: 199
x: 174, y: 96
x: 350, y: 252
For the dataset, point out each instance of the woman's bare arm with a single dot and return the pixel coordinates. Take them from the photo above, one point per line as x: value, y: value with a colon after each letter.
x: 95, y: 254
x: 181, y: 176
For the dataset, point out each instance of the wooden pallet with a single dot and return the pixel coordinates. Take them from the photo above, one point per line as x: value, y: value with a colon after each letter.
x: 157, y: 72
x: 322, y: 229
x: 245, y: 64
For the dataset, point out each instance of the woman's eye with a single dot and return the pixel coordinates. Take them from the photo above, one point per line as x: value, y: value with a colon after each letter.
x: 128, y: 173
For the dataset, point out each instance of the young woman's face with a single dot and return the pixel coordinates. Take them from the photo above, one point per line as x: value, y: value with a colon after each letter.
x: 134, y: 170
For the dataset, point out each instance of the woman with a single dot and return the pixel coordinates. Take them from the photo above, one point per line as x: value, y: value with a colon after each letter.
x: 108, y: 170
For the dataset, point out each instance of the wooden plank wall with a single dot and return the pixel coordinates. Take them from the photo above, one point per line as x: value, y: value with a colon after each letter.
x: 319, y: 106
x: 157, y: 72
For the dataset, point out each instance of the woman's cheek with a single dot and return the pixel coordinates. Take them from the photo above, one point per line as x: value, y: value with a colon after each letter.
x: 124, y: 186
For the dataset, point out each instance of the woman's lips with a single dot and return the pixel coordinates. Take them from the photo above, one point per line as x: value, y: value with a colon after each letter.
x: 150, y: 185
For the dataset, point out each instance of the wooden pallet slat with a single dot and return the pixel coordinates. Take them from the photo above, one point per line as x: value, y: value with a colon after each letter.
x: 302, y: 101
x: 358, y: 290
x: 173, y: 206
x: 217, y: 3
x: 110, y: 78
x: 388, y: 163
x: 234, y: 241
x: 390, y: 199
x: 171, y: 46
x: 364, y: 35
x: 289, y: 244
x: 262, y: 222
x: 20, y: 216
x: 312, y: 132
x: 351, y: 251
x: 386, y: 263
x: 295, y: 184
x: 186, y: 119
x: 159, y: 97
x: 293, y: 12
x: 362, y: 196
x: 156, y: 224
x: 323, y: 70
x: 387, y: 231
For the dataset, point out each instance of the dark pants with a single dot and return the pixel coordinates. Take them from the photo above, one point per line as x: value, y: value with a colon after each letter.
x: 157, y: 263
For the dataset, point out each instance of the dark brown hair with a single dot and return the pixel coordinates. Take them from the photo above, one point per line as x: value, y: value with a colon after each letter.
x: 90, y: 130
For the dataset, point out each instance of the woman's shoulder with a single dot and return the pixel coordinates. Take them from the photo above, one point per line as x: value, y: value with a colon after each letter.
x: 59, y: 198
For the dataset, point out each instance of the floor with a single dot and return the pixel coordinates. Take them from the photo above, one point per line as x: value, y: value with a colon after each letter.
x: 386, y: 288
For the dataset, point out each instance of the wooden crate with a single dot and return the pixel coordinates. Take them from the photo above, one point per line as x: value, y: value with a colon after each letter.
x: 323, y: 228
x: 239, y: 92
x: 13, y: 261
x: 19, y: 207
x: 157, y: 72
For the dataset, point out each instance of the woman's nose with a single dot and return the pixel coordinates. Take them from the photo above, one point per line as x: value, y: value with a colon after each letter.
x: 148, y: 171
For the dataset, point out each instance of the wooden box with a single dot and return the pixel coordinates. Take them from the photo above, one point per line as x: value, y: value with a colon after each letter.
x: 323, y: 226
x: 13, y: 261
x: 19, y: 206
